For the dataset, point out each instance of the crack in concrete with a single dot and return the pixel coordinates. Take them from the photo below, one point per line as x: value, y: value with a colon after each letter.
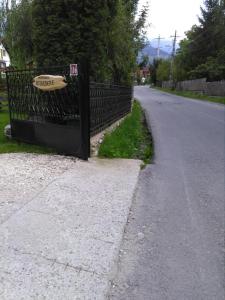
x: 29, y: 201
x: 42, y: 212
x: 36, y: 195
x: 101, y: 240
x: 55, y: 261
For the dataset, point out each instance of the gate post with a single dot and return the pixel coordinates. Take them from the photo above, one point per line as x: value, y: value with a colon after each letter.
x: 84, y: 106
x: 9, y: 99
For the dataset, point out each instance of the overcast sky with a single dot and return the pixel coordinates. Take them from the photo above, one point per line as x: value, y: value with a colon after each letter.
x: 166, y: 16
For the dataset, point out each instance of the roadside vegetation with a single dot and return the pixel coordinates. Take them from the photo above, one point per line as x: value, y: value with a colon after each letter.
x: 194, y: 95
x: 130, y: 140
x: 200, y: 55
x: 108, y: 34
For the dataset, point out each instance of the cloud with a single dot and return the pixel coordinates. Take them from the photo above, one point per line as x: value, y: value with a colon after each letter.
x: 167, y: 16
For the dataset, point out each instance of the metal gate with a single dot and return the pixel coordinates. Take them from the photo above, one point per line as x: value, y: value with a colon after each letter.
x: 64, y: 119
x: 58, y: 119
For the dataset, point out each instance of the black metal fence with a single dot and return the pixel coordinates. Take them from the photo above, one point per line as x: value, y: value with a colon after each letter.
x: 63, y: 119
x: 27, y: 103
x: 3, y: 104
x: 108, y: 103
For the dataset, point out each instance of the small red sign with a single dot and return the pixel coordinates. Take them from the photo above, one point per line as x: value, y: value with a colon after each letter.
x: 73, y: 70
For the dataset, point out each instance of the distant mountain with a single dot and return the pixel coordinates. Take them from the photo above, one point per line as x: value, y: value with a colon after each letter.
x: 165, y: 44
x: 152, y: 53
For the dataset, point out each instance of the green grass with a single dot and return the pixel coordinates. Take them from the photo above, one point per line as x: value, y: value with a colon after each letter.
x: 10, y: 146
x: 130, y: 140
x: 194, y: 95
x: 3, y: 94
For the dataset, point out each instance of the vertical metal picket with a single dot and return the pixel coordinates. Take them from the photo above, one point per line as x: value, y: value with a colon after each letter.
x: 84, y: 105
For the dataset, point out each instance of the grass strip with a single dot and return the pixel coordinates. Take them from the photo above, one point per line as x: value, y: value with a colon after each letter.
x: 11, y: 146
x: 194, y: 95
x: 130, y: 140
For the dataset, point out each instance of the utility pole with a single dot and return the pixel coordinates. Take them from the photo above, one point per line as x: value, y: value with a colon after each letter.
x: 158, y: 47
x: 172, y: 57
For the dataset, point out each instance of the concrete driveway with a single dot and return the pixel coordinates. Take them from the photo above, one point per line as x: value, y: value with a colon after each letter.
x: 61, y: 225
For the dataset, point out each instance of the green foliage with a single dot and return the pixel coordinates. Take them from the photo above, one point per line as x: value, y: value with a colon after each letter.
x: 180, y: 72
x: 10, y: 146
x: 121, y: 51
x: 153, y: 70
x: 130, y: 140
x: 163, y: 70
x: 103, y: 32
x: 16, y: 31
x: 106, y: 33
x: 213, y: 69
x: 67, y: 31
x: 138, y: 77
x: 144, y: 62
x: 200, y: 52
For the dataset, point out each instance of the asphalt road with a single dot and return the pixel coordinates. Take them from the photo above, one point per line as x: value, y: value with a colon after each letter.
x: 173, y: 247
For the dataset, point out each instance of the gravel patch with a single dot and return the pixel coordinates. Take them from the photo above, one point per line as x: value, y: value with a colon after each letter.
x: 22, y: 176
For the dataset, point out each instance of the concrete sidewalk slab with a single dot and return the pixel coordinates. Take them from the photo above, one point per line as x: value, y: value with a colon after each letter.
x: 63, y: 242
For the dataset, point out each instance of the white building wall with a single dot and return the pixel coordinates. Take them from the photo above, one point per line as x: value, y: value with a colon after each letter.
x: 4, y: 55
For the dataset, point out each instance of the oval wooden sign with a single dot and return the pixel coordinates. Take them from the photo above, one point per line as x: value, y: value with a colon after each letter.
x: 49, y: 82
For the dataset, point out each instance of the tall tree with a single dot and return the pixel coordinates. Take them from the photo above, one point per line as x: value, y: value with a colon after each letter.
x: 198, y: 52
x: 59, y: 32
x: 211, y: 31
x: 126, y: 38
x: 153, y: 70
x: 16, y: 31
x: 163, y: 70
x: 104, y: 32
x: 66, y: 31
